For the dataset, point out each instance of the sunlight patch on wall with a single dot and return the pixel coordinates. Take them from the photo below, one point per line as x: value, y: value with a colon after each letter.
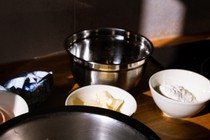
x: 162, y: 19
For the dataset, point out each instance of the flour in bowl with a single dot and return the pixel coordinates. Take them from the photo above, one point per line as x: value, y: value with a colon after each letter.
x: 178, y: 93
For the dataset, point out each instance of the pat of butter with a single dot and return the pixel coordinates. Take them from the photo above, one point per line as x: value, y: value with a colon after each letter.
x: 114, y: 103
x: 91, y: 103
x: 105, y: 100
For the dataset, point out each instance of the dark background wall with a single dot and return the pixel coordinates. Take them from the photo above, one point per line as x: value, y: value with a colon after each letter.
x: 33, y: 28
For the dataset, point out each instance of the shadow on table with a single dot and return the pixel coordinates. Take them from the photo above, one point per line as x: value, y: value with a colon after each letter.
x: 192, y: 56
x: 169, y: 128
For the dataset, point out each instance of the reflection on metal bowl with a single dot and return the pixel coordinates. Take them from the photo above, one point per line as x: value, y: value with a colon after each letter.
x: 76, y: 123
x: 108, y: 56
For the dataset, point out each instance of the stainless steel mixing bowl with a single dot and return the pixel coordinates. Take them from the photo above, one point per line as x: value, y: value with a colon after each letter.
x: 76, y: 123
x: 109, y: 56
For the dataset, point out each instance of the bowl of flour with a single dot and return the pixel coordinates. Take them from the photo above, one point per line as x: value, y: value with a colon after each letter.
x: 179, y: 93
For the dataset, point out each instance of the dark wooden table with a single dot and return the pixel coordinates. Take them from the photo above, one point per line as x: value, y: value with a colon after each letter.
x: 197, y: 127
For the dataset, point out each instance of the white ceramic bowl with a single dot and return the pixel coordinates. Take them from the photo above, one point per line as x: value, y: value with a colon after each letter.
x: 89, y: 93
x: 197, y: 84
x: 12, y: 104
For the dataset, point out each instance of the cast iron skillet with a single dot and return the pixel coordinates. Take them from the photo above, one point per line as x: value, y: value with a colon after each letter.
x: 75, y: 122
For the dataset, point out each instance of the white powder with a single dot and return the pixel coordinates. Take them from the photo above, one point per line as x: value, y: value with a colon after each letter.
x: 177, y: 93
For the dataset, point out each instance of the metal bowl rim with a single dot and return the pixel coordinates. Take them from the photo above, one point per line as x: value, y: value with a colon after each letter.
x: 108, y: 67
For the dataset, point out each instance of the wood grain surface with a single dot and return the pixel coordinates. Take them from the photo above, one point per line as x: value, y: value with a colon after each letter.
x: 194, y: 128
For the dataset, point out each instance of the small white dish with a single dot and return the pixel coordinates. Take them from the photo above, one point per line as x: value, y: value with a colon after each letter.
x: 12, y: 105
x: 89, y: 93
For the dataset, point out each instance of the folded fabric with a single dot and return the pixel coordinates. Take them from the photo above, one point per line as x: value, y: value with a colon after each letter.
x: 33, y: 86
